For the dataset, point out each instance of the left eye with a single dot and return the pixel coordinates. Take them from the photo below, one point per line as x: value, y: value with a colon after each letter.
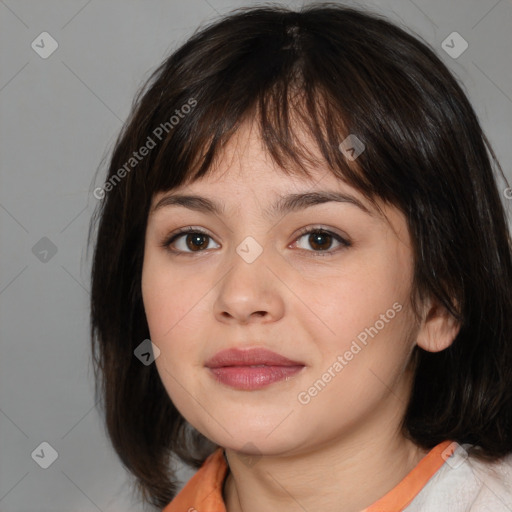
x: 321, y: 240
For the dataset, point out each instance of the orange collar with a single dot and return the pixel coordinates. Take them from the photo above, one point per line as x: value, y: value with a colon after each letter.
x: 408, y: 488
x: 203, y: 492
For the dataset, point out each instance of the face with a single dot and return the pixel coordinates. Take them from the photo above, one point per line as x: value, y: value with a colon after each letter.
x: 324, y: 283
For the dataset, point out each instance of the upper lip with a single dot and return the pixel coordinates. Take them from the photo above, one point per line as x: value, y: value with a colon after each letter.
x: 249, y: 357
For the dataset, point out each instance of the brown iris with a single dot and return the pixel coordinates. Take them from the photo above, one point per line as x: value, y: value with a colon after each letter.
x: 197, y: 241
x: 318, y: 240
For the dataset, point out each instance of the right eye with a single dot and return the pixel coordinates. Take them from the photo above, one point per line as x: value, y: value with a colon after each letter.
x: 188, y: 240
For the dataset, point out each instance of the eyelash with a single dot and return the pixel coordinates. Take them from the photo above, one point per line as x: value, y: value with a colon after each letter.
x: 166, y: 243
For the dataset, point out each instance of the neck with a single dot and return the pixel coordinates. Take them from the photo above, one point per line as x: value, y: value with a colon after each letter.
x: 349, y: 472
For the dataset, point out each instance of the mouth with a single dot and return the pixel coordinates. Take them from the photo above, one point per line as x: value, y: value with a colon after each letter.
x: 251, y: 369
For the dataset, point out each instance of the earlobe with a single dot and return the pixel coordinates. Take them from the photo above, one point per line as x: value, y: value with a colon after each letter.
x: 438, y: 329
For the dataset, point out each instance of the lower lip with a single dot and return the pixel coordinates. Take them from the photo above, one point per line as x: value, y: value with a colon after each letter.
x: 253, y: 377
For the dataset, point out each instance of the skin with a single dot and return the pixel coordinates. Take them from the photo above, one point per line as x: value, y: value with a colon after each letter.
x: 344, y: 447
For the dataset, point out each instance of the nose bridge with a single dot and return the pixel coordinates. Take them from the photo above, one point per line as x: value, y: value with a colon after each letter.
x: 249, y: 288
x: 248, y: 275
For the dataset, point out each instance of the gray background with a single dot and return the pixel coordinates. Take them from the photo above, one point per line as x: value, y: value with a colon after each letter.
x: 59, y: 118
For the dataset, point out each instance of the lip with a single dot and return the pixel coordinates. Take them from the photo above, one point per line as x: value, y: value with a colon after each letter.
x: 249, y: 357
x: 251, y: 369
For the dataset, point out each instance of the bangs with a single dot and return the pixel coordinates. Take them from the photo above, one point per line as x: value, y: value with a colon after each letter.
x: 283, y: 82
x: 301, y: 128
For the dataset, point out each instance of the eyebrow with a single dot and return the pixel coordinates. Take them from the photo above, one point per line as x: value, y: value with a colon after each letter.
x: 285, y: 204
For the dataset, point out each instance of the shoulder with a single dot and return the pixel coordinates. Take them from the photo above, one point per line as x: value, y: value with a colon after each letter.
x: 467, y: 484
x: 495, y: 481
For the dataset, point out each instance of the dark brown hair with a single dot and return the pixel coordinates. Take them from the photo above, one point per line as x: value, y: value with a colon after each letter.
x: 332, y: 71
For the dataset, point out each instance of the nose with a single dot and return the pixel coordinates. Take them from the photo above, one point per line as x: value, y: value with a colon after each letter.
x: 249, y: 292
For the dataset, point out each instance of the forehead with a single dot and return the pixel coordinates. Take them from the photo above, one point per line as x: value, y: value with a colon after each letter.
x: 244, y: 163
x: 272, y: 191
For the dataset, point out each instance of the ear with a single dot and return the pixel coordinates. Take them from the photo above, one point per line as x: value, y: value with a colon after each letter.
x: 438, y: 328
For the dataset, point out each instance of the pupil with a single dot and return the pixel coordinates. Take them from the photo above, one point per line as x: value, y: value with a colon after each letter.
x: 316, y: 240
x: 196, y: 241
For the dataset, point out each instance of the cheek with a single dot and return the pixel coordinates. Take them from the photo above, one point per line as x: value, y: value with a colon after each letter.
x: 368, y: 321
x: 176, y: 307
x: 171, y: 301
x: 355, y: 300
